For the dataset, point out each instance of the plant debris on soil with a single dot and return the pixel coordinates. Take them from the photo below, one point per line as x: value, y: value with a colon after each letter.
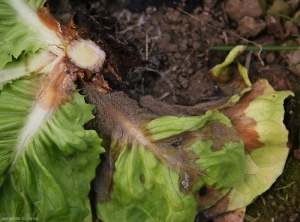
x: 152, y: 50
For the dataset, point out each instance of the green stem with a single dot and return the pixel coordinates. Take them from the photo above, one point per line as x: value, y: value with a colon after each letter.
x: 250, y: 48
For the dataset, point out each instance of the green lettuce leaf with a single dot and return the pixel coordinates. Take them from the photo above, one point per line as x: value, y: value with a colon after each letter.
x: 258, y: 118
x: 24, y: 28
x: 222, y: 72
x: 47, y: 158
x: 30, y: 63
x: 172, y: 167
x: 244, y: 86
x: 160, y: 173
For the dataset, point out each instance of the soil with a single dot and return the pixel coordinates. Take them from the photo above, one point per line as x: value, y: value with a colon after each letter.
x: 171, y: 68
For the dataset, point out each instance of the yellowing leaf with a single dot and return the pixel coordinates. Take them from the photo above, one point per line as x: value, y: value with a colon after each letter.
x: 258, y: 118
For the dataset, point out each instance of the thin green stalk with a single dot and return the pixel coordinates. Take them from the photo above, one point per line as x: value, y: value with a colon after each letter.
x: 250, y: 48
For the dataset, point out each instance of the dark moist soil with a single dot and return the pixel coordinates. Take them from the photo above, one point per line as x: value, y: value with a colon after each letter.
x: 172, y: 70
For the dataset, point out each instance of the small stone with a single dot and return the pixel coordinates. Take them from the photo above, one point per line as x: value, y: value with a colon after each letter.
x: 190, y: 71
x: 281, y: 208
x: 165, y: 58
x: 177, y: 55
x: 173, y: 16
x: 206, y: 8
x: 198, y: 10
x: 190, y: 42
x: 183, y: 45
x: 297, y: 154
x: 250, y: 27
x: 294, y: 217
x: 150, y: 10
x: 270, y: 58
x: 210, y: 3
x: 154, y: 21
x: 183, y: 82
x: 199, y: 66
x: 233, y: 25
x: 237, y: 9
x: 172, y: 48
x: 196, y: 45
x: 273, y: 203
x: 280, y: 7
x: 183, y: 71
x: 177, y: 85
x: 291, y: 58
x: 174, y: 68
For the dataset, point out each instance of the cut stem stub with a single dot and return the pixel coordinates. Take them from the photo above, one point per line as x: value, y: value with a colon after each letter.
x: 86, y: 54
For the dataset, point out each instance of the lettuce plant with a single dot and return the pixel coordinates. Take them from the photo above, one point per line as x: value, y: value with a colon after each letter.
x: 169, y: 168
x: 47, y: 158
x: 158, y: 166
